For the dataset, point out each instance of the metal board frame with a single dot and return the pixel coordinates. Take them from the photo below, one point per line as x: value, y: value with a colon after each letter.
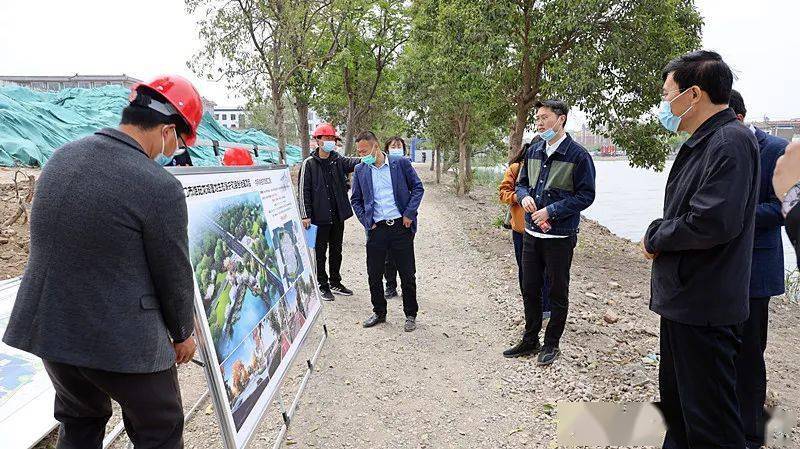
x: 205, y: 342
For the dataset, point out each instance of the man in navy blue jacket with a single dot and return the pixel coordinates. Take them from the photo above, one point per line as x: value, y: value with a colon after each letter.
x: 386, y: 195
x: 556, y: 183
x: 766, y: 280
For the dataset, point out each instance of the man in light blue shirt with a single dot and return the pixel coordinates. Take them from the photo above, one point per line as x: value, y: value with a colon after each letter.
x: 386, y: 195
x: 383, y: 202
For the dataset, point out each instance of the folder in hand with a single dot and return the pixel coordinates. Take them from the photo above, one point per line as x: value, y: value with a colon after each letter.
x: 311, y: 236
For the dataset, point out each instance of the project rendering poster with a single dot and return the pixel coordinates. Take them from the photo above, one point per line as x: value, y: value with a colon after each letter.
x: 26, y: 394
x: 255, y: 292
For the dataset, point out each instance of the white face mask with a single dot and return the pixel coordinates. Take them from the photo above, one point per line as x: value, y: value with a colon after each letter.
x: 396, y: 151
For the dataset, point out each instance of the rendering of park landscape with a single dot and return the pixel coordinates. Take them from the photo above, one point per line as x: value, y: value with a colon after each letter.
x: 255, y: 291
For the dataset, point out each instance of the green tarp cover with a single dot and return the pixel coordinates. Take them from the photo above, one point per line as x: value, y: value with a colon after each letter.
x: 34, y: 124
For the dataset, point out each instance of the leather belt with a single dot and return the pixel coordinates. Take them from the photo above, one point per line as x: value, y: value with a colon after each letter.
x: 390, y: 222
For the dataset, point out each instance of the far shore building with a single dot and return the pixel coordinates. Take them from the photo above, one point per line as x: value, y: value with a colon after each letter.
x: 788, y: 129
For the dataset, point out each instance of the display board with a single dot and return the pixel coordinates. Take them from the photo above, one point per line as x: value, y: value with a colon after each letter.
x: 256, y: 296
x: 26, y: 394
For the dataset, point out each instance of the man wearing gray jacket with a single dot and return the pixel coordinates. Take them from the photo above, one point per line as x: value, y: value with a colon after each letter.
x: 107, y: 297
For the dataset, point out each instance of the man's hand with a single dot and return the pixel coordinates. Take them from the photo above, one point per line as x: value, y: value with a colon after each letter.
x: 184, y: 351
x: 647, y: 255
x: 407, y: 222
x: 787, y: 170
x: 540, y: 216
x: 528, y: 204
x: 306, y: 223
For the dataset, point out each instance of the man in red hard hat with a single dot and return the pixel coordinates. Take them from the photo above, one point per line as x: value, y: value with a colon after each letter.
x: 107, y: 297
x: 324, y: 203
x: 237, y: 157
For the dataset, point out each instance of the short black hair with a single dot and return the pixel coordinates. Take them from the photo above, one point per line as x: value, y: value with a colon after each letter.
x: 367, y: 135
x: 392, y: 140
x: 737, y: 103
x: 557, y: 106
x: 146, y: 119
x: 704, y: 69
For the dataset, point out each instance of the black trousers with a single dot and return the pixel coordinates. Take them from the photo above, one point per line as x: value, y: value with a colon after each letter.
x: 329, y: 237
x: 751, y: 373
x: 551, y: 258
x: 391, y: 272
x: 151, y: 406
x: 518, y: 238
x: 398, y: 240
x: 697, y: 382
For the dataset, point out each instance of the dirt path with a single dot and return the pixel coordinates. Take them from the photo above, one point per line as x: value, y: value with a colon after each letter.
x: 447, y: 385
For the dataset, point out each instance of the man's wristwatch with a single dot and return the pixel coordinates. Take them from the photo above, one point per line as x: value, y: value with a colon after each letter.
x: 791, y: 198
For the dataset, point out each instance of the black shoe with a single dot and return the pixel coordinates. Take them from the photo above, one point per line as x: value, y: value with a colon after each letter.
x: 341, y: 290
x: 548, y: 355
x: 374, y: 319
x: 522, y: 348
x: 326, y: 294
x: 411, y: 324
x: 390, y: 293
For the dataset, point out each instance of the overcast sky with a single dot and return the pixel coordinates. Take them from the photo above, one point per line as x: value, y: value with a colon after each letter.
x: 143, y: 38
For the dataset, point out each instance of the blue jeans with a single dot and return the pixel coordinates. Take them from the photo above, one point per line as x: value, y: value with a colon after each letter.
x: 518, y: 236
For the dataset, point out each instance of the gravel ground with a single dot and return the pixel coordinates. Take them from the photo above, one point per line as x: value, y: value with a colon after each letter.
x: 446, y: 384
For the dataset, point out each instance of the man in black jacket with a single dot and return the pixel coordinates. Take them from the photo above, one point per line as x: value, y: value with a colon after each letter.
x: 701, y: 251
x: 324, y: 203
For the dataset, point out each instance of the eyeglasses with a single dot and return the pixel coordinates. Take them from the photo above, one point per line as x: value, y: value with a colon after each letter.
x: 665, y: 94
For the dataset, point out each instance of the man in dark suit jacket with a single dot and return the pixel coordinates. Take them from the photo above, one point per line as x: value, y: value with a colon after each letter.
x: 766, y: 280
x: 386, y: 195
x: 107, y: 297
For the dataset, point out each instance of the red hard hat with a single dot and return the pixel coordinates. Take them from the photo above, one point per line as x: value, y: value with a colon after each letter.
x: 181, y: 95
x: 325, y: 130
x: 237, y: 156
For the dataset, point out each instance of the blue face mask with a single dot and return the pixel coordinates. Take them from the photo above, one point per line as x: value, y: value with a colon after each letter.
x: 669, y: 120
x: 368, y: 159
x: 548, y: 135
x: 396, y: 152
x: 161, y: 158
x: 328, y: 146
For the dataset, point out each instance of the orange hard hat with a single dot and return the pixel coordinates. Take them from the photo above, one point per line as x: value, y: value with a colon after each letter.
x: 325, y: 130
x: 237, y: 156
x: 183, y: 99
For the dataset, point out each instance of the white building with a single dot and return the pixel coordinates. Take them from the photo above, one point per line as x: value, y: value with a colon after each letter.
x: 231, y: 118
x: 314, y: 120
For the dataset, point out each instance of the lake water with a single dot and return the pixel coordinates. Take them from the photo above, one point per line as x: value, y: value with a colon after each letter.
x: 254, y: 309
x: 629, y: 199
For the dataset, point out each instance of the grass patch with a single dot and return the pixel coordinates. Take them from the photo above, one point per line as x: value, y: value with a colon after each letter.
x: 487, y: 177
x: 792, y: 281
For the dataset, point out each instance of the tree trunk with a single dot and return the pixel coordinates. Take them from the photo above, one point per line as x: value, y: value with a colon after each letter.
x: 302, y: 125
x: 463, y: 187
x: 350, y: 125
x: 469, y: 166
x: 462, y: 124
x: 518, y: 130
x: 433, y: 158
x: 437, y: 154
x: 280, y: 123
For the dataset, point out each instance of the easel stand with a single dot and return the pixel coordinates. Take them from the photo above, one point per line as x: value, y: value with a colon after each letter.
x: 289, y: 414
x: 286, y: 414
